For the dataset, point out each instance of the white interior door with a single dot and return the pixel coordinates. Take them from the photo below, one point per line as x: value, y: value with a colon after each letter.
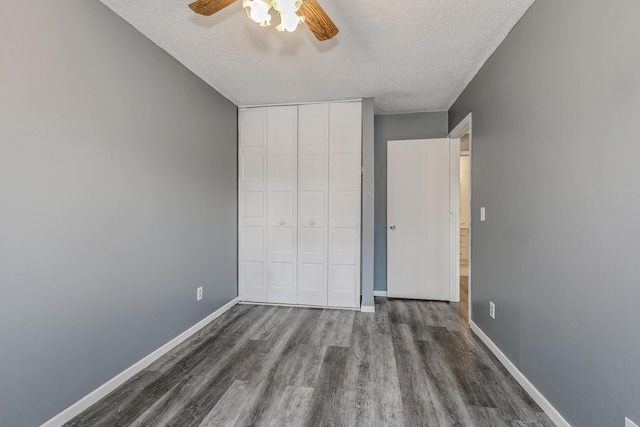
x: 345, y: 171
x: 313, y: 202
x: 252, y: 207
x: 418, y: 219
x: 282, y: 139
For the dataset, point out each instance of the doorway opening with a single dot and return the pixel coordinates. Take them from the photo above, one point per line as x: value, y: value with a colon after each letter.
x: 461, y: 256
x: 465, y: 207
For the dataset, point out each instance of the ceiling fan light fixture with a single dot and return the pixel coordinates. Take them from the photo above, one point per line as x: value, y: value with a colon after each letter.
x: 292, y: 13
x: 258, y: 11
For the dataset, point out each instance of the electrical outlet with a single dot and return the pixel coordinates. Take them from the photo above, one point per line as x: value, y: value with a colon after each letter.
x: 629, y: 423
x: 492, y: 310
x: 199, y: 294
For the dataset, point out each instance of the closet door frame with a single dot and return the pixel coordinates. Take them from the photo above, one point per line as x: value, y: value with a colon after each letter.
x: 262, y: 264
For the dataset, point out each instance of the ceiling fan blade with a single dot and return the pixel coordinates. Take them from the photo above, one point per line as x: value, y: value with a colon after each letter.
x: 209, y: 7
x: 317, y: 20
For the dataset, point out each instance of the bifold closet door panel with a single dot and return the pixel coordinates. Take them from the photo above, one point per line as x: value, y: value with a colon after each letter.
x: 313, y: 203
x: 345, y: 171
x: 282, y: 223
x: 252, y: 206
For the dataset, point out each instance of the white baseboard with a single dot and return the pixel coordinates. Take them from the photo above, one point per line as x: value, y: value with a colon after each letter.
x: 368, y: 309
x: 106, y: 388
x: 379, y: 293
x: 555, y: 416
x: 276, y: 304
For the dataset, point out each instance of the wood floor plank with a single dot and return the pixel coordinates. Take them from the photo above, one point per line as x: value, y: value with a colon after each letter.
x: 310, y: 363
x: 541, y: 421
x: 420, y: 408
x: 174, y: 368
x: 121, y: 397
x: 293, y: 407
x: 465, y: 366
x: 444, y: 382
x: 360, y: 387
x: 275, y: 369
x: 510, y: 398
x: 326, y: 408
x: 212, y: 374
x: 213, y: 385
x: 211, y: 334
x: 228, y: 408
x: 163, y: 409
x: 388, y: 410
x: 271, y: 323
x: 333, y: 328
x: 487, y: 417
x: 344, y: 328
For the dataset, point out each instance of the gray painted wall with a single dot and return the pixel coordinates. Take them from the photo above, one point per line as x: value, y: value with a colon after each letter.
x: 388, y: 128
x: 555, y: 161
x: 117, y: 199
x: 368, y: 200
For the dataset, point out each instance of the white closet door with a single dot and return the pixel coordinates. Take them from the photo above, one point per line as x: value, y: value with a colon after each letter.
x: 345, y: 141
x: 313, y: 202
x: 252, y: 209
x: 282, y: 125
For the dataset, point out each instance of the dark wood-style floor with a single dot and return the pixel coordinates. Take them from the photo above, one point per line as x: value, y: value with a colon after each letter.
x: 412, y: 363
x: 463, y: 307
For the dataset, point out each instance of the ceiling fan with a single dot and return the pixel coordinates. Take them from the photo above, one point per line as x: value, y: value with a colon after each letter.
x: 292, y: 12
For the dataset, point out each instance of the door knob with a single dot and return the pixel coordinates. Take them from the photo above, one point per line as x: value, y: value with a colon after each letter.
x: 281, y: 222
x: 392, y: 226
x: 312, y: 222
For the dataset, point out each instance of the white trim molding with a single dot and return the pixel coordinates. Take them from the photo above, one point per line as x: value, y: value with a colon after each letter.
x: 278, y: 304
x: 379, y: 293
x: 546, y: 406
x: 285, y: 104
x: 368, y: 309
x: 115, y: 382
x: 464, y: 127
x: 454, y: 219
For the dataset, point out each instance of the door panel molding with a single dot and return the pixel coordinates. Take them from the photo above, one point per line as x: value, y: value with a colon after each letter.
x: 345, y: 186
x: 252, y: 204
x: 313, y: 204
x: 282, y: 221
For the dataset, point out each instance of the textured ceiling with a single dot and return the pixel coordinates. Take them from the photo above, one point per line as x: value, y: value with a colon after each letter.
x: 409, y: 55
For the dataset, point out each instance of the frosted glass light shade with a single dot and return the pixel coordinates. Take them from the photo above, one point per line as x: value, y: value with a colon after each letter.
x: 289, y: 21
x: 258, y: 11
x: 286, y: 6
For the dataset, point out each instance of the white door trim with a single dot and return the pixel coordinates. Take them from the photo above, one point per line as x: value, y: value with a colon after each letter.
x: 464, y: 127
x: 454, y: 219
